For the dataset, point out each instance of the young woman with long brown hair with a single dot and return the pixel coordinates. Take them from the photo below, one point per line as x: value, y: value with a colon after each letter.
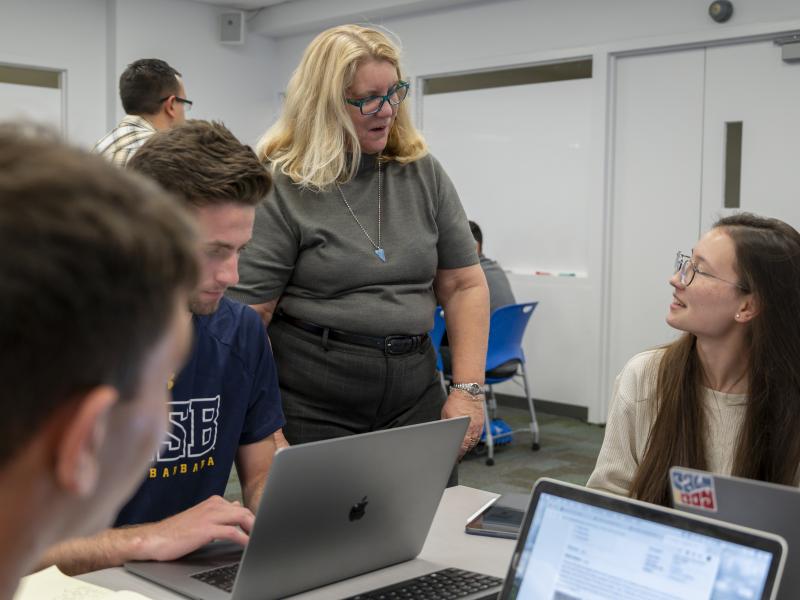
x: 725, y: 396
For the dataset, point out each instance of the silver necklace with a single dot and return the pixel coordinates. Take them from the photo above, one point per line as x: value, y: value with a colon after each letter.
x: 379, y: 252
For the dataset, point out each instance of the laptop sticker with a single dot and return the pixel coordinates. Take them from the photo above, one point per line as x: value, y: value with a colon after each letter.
x: 693, y: 490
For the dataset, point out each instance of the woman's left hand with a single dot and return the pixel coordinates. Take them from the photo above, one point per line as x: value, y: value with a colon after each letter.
x: 461, y: 404
x: 465, y: 298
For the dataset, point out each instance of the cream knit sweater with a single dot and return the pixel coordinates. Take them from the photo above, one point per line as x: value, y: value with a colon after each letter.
x: 632, y: 413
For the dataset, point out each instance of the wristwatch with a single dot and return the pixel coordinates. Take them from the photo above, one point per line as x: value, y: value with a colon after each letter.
x: 473, y: 389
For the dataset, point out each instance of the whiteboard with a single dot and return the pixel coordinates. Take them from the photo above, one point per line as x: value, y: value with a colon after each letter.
x: 519, y: 158
x: 31, y: 103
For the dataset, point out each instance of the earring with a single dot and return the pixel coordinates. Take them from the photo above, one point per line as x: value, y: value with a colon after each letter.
x: 738, y: 316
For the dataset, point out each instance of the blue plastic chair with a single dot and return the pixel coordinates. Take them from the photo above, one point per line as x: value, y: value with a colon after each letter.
x: 505, y: 360
x: 437, y: 334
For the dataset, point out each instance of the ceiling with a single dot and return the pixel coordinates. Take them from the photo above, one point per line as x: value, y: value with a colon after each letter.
x: 280, y: 18
x: 244, y: 4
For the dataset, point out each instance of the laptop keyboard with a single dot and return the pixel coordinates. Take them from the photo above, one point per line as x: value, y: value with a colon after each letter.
x: 221, y: 577
x: 446, y: 584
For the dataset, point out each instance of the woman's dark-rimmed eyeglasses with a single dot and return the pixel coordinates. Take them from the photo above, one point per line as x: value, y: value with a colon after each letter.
x: 373, y: 104
x: 687, y: 269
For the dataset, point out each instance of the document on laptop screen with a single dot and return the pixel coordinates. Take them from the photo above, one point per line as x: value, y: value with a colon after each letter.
x: 579, y: 551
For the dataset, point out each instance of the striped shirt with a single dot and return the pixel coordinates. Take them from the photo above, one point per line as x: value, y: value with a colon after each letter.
x: 122, y: 142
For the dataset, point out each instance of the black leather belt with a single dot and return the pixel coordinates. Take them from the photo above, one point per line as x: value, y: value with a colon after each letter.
x: 391, y: 344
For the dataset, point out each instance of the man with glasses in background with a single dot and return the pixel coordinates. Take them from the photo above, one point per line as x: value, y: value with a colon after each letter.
x: 154, y: 99
x: 500, y: 292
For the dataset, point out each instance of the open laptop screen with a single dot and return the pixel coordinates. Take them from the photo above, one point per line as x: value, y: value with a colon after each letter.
x: 576, y: 549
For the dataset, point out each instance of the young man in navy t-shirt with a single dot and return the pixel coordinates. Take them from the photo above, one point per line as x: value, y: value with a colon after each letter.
x: 225, y: 406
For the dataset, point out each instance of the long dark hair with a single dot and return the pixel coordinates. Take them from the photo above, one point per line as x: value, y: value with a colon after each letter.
x: 768, y: 265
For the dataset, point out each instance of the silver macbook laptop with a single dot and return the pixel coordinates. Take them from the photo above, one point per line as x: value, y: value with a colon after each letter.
x: 581, y: 544
x: 756, y: 504
x: 330, y: 510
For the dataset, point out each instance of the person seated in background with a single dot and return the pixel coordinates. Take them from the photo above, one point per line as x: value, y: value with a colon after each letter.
x: 500, y: 293
x: 97, y: 266
x: 225, y: 404
x: 725, y: 396
x: 154, y: 99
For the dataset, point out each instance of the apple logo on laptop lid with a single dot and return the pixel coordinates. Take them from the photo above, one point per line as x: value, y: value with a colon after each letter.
x: 358, y: 509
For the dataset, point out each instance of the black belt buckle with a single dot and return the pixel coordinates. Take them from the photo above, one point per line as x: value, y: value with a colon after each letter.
x: 398, y: 344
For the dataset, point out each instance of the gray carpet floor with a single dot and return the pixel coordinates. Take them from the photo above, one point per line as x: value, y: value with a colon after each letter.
x: 569, y: 449
x: 568, y: 452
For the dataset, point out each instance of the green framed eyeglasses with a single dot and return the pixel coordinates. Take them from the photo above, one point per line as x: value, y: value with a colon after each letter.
x: 373, y: 104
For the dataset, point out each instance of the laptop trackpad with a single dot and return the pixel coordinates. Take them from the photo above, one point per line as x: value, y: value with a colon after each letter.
x: 177, y: 574
x: 214, y: 554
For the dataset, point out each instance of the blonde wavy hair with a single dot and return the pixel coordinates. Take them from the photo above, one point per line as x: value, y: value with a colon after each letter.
x: 314, y: 135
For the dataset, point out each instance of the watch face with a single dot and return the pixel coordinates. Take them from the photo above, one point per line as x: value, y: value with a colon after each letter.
x: 471, y: 388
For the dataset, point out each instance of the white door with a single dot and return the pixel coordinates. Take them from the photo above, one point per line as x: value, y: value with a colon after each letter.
x: 656, y: 194
x: 750, y: 84
x: 669, y: 169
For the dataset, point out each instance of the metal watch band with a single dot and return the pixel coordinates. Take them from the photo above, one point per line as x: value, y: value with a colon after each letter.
x: 473, y: 389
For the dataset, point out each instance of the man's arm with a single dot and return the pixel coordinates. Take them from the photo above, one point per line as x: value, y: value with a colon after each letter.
x: 280, y: 440
x: 213, y: 519
x: 252, y: 465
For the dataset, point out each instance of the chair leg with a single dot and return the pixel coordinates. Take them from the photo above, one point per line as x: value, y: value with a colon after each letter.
x: 534, y: 422
x: 491, y: 400
x: 489, y: 440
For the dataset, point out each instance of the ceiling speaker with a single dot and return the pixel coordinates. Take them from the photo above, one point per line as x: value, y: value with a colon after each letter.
x: 231, y: 30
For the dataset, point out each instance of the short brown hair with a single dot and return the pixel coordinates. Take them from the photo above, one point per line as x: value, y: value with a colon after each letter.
x: 144, y: 83
x: 92, y: 260
x: 203, y: 163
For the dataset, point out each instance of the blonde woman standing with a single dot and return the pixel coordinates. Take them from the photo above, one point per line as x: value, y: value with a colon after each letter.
x: 361, y: 237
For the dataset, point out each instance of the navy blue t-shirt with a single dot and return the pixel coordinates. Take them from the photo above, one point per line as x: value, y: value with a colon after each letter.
x: 226, y: 396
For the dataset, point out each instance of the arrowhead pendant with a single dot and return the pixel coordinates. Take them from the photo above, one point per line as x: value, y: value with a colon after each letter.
x: 380, y: 254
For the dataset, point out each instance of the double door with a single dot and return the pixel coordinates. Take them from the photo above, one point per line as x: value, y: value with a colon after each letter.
x: 679, y: 159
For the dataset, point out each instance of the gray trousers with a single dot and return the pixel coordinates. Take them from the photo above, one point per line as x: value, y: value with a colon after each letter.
x: 343, y: 389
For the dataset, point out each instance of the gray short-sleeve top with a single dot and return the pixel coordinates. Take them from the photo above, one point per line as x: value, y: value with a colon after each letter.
x: 308, y: 249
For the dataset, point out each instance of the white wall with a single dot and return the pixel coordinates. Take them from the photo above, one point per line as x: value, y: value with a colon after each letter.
x: 499, y: 32
x: 508, y: 32
x: 234, y: 84
x: 35, y: 33
x: 93, y: 41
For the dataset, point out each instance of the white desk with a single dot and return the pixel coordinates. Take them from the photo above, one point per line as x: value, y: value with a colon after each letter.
x: 446, y: 546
